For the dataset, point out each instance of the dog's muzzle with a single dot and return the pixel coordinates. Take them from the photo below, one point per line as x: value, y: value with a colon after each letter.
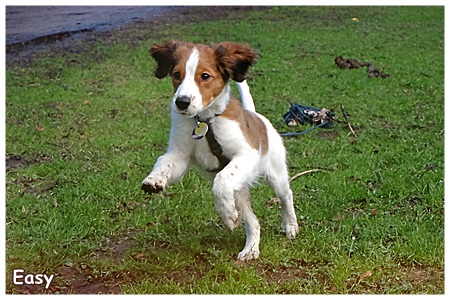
x: 183, y: 102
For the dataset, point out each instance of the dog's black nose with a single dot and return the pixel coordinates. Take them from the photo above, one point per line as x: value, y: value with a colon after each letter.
x: 183, y: 102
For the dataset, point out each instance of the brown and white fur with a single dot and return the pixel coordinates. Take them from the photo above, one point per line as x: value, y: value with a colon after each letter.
x: 200, y: 76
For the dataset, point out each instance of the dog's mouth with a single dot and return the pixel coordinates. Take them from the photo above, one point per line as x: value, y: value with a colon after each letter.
x: 188, y: 112
x: 185, y: 113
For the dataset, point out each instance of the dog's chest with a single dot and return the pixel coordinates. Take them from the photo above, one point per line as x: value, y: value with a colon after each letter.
x: 213, y: 151
x: 203, y: 157
x: 228, y: 137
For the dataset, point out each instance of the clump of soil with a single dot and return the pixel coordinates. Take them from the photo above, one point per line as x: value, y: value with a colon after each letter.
x: 351, y: 63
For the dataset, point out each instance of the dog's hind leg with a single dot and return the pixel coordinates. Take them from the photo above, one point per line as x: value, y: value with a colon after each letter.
x: 279, y: 181
x: 252, y: 228
x: 231, y: 179
x: 231, y: 199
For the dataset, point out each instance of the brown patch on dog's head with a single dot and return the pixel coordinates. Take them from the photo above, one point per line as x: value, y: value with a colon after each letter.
x: 209, y: 77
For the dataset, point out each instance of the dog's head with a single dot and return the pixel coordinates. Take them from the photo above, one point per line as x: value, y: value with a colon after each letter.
x: 199, y: 72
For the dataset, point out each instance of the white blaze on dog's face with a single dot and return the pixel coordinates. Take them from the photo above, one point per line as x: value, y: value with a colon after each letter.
x: 200, y: 73
x: 197, y: 81
x: 187, y: 98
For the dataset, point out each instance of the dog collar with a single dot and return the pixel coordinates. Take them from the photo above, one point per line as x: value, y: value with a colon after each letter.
x: 204, y: 128
x: 207, y: 120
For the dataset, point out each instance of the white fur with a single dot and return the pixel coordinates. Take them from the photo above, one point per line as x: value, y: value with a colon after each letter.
x: 189, y: 88
x: 247, y: 165
x: 247, y: 99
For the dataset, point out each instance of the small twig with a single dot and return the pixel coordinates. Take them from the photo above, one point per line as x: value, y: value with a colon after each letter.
x: 346, y: 120
x: 67, y: 135
x: 303, y: 173
x: 274, y: 200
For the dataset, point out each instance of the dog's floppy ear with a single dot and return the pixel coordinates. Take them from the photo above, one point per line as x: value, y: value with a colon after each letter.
x: 164, y: 55
x: 234, y: 60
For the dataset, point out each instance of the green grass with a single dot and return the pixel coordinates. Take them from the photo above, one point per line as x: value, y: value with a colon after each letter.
x: 74, y: 207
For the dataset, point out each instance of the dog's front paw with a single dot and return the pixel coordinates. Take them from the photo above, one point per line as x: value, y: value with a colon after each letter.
x: 248, y: 254
x: 290, y: 229
x: 152, y: 185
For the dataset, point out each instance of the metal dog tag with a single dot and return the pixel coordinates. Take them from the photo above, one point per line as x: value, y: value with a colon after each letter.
x: 200, y: 131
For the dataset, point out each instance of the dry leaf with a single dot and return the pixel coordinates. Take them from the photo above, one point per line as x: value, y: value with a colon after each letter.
x: 238, y: 262
x: 138, y: 256
x: 55, y: 202
x: 86, y: 102
x: 365, y: 275
x: 40, y: 127
x: 55, y: 288
x: 272, y: 201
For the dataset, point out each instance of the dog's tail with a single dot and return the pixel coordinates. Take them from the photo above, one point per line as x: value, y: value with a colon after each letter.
x: 247, y: 100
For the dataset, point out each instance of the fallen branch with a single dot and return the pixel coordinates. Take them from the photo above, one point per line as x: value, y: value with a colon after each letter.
x: 346, y: 120
x: 303, y: 173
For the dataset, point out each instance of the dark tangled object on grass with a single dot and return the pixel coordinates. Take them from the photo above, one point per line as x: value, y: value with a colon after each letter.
x: 351, y: 63
x: 307, y: 114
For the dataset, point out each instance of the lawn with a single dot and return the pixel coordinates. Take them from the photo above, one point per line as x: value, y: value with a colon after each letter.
x: 85, y: 124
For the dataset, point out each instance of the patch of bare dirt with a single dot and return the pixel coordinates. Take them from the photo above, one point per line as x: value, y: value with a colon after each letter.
x: 327, y: 134
x: 115, y: 249
x: 86, y: 280
x: 306, y: 273
x: 423, y: 275
x: 297, y: 270
x: 36, y: 186
x: 187, y: 275
x: 13, y: 161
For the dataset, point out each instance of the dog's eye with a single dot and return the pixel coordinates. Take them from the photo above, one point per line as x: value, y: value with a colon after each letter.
x: 205, y: 76
x: 176, y: 75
